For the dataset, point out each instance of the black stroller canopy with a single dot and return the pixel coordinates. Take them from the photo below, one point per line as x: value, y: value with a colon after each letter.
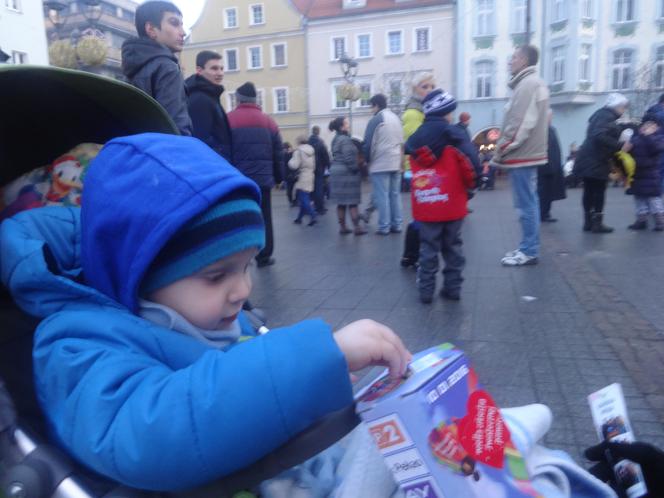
x: 45, y: 111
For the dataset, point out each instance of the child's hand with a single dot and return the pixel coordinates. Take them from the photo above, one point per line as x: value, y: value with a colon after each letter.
x: 366, y: 342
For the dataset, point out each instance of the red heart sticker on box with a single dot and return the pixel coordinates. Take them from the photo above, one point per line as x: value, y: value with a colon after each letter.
x: 482, y: 432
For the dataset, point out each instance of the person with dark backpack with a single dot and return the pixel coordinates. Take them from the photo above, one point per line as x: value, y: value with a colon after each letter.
x: 442, y: 178
x: 322, y: 165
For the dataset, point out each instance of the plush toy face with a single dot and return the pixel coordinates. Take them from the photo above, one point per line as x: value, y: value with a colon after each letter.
x: 67, y: 172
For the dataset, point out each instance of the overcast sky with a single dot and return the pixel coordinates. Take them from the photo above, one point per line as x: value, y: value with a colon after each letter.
x: 190, y: 10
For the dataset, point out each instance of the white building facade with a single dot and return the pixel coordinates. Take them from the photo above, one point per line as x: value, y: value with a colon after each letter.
x: 588, y: 48
x: 391, y: 44
x: 22, y: 34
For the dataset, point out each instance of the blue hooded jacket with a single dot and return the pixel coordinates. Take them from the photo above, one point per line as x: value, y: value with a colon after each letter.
x: 141, y: 404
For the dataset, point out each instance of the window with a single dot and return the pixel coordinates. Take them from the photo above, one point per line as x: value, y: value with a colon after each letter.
x: 230, y: 18
x: 338, y: 47
x: 519, y: 11
x: 280, y: 99
x: 483, y: 79
x: 19, y: 57
x: 624, y: 10
x: 621, y: 70
x: 559, y: 10
x: 558, y: 65
x: 232, y: 101
x: 396, y: 95
x: 338, y: 102
x: 364, y: 46
x: 422, y: 41
x: 587, y: 9
x: 279, y: 55
x: 13, y: 5
x: 365, y: 94
x: 256, y: 15
x: 394, y: 42
x: 255, y: 56
x: 584, y: 62
x: 484, y: 18
x: 232, y: 64
x: 659, y: 68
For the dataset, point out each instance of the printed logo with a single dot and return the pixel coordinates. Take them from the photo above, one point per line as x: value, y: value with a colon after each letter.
x: 424, y: 488
x: 406, y: 465
x: 389, y: 434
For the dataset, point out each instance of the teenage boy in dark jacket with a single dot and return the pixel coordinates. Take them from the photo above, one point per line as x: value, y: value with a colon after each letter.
x: 207, y: 115
x: 149, y: 61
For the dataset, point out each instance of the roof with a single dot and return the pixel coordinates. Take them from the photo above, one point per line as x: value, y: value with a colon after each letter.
x: 318, y: 9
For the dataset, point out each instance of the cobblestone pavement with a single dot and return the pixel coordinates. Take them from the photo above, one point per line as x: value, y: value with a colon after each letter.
x: 598, y: 316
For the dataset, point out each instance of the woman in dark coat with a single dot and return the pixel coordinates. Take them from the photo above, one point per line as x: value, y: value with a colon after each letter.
x: 550, y: 178
x: 345, y: 179
x: 593, y: 160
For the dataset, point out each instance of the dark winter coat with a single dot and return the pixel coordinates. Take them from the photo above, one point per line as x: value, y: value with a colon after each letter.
x: 550, y: 178
x: 322, y: 157
x: 601, y: 143
x: 656, y: 114
x: 153, y: 68
x: 436, y: 133
x: 647, y: 151
x: 208, y: 117
x: 257, y: 150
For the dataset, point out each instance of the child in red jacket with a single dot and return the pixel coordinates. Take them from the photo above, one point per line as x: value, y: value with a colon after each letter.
x: 442, y: 176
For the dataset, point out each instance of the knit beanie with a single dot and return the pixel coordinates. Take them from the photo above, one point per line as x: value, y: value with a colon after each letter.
x: 616, y: 100
x: 229, y: 226
x: 246, y: 93
x: 438, y: 103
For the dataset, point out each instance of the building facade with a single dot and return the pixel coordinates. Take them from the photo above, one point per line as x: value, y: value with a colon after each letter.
x: 391, y: 41
x: 588, y: 48
x: 261, y: 41
x: 22, y: 36
x: 116, y: 23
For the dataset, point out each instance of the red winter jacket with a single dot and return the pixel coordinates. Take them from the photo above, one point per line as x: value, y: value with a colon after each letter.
x: 439, y: 186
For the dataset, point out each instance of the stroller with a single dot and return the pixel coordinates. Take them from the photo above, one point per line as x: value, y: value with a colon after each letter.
x: 51, y: 110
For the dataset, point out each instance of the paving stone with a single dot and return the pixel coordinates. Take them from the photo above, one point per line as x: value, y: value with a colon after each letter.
x: 597, y: 318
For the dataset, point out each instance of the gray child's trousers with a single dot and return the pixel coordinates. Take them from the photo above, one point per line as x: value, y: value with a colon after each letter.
x: 443, y: 237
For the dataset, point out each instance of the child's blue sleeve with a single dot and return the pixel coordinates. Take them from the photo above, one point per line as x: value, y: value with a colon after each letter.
x: 157, y: 410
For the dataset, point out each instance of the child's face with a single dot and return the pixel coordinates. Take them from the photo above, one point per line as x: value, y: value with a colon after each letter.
x: 211, y: 298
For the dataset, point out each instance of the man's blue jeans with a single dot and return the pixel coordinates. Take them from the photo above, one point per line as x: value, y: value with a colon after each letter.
x: 526, y: 201
x: 386, y: 197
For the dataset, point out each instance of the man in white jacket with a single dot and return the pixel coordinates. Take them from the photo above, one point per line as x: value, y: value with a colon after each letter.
x: 522, y: 148
x: 383, y: 140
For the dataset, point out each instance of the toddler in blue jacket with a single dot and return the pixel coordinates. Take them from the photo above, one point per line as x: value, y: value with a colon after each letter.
x: 141, y: 363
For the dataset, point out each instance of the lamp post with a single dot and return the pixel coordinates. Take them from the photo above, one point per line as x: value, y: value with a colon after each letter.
x: 85, y: 48
x: 350, y: 92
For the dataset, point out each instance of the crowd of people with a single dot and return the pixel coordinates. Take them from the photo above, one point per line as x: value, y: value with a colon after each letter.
x: 149, y: 337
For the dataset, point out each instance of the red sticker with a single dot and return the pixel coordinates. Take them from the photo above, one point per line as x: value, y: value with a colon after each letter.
x: 482, y: 432
x: 387, y: 434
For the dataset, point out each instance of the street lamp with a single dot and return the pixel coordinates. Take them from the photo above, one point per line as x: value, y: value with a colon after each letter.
x: 349, y: 91
x: 86, y: 48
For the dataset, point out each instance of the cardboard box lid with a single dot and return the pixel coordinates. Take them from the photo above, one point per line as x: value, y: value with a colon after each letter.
x: 425, y: 365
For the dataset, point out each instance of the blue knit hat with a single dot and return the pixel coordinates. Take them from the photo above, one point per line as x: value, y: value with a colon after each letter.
x: 229, y: 226
x: 438, y: 103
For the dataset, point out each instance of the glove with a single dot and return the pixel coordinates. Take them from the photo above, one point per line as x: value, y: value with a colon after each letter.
x: 650, y: 459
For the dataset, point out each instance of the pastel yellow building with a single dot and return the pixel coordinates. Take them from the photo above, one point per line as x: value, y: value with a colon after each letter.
x: 262, y: 41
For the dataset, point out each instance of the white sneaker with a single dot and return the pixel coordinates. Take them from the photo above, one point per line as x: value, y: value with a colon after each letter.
x: 519, y: 259
x: 511, y: 254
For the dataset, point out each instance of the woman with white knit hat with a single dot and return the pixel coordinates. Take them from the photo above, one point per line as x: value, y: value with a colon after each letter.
x: 593, y: 160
